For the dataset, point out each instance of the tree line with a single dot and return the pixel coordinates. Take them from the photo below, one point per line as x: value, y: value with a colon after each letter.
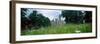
x: 36, y: 20
x: 75, y: 16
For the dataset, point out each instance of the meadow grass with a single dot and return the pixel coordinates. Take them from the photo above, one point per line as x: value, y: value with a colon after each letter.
x: 60, y: 29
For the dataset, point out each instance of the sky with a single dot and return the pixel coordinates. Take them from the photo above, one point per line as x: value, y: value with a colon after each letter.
x: 51, y: 14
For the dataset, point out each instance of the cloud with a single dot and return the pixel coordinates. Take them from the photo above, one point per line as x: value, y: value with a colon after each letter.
x: 51, y: 14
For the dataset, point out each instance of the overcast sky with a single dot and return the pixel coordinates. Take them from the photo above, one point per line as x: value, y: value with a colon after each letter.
x: 51, y: 14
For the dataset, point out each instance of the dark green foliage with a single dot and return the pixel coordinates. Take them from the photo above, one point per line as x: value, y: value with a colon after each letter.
x: 34, y: 20
x: 88, y: 16
x: 72, y: 16
x: 23, y: 11
x: 38, y: 20
x: 23, y: 18
x: 75, y: 16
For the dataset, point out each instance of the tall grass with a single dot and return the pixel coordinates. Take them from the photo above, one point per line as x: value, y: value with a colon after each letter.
x: 60, y: 29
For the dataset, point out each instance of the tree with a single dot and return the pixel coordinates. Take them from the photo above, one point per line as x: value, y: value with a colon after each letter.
x: 23, y: 18
x: 73, y: 16
x: 38, y: 20
x: 88, y: 16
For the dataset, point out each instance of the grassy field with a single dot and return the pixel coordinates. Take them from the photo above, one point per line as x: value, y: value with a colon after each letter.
x: 60, y: 29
